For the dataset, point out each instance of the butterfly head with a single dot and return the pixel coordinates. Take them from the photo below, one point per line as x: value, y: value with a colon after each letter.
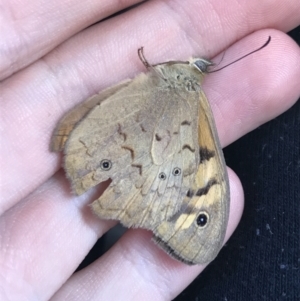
x: 201, y: 65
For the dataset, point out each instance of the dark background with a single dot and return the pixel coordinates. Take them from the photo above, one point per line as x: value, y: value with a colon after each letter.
x: 261, y: 260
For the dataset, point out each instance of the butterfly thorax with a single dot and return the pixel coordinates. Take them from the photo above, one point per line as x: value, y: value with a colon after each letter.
x: 179, y: 76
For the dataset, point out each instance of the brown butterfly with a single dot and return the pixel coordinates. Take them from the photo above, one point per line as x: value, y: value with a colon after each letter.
x: 155, y: 137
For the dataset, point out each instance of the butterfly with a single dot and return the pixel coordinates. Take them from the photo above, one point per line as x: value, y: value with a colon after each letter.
x: 155, y: 137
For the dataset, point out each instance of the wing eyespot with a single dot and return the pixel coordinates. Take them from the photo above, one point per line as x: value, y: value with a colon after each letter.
x: 176, y: 171
x: 105, y: 164
x: 202, y: 219
x: 162, y: 176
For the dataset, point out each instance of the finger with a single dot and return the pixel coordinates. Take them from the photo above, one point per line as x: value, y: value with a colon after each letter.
x: 23, y: 30
x: 44, y: 238
x: 257, y: 88
x: 138, y: 269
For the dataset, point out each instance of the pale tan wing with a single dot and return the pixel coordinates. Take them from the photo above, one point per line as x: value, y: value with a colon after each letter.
x: 103, y: 135
x: 120, y: 139
x: 164, y: 166
x: 195, y: 234
x: 70, y: 120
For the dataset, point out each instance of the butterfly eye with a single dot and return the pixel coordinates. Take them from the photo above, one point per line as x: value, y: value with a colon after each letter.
x: 202, y: 219
x: 162, y: 176
x: 105, y: 164
x: 176, y: 171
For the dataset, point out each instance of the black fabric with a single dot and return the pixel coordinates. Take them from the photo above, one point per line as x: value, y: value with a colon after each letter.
x: 261, y: 261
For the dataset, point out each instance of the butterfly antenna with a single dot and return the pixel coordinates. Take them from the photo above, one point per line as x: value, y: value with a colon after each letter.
x: 258, y: 49
x: 146, y: 64
x: 221, y: 59
x: 142, y: 58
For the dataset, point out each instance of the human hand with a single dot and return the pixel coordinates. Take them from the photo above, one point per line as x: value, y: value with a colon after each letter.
x: 45, y: 231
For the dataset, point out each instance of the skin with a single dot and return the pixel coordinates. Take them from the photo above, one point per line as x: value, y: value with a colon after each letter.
x: 49, y: 63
